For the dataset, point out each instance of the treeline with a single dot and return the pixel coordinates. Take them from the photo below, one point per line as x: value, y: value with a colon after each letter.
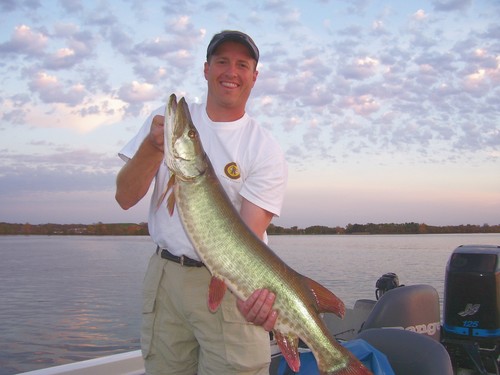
x: 387, y: 228
x: 99, y: 229
x: 128, y: 229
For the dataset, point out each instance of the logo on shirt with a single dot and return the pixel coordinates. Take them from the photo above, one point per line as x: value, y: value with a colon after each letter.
x: 232, y: 171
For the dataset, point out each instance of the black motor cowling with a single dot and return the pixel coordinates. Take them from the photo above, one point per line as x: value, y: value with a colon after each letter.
x: 471, y: 320
x: 472, y: 293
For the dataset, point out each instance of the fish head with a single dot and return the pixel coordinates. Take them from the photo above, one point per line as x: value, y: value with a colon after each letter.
x: 184, y: 154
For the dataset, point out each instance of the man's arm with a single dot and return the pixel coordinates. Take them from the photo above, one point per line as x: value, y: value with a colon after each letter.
x: 257, y: 308
x: 134, y: 179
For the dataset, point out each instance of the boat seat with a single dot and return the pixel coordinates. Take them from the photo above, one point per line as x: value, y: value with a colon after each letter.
x: 364, y: 304
x: 409, y: 353
x: 412, y: 308
x: 346, y: 329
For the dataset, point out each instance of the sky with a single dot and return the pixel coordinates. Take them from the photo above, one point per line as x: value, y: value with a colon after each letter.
x: 387, y: 111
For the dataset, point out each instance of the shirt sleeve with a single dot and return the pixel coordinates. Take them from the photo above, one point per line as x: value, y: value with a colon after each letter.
x: 266, y: 183
x: 129, y: 150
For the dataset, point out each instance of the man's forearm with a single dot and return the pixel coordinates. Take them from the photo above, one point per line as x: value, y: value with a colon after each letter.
x: 134, y: 179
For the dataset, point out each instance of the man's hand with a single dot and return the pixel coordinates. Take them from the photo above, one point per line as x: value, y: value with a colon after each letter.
x: 155, y: 135
x: 135, y: 177
x: 258, y: 309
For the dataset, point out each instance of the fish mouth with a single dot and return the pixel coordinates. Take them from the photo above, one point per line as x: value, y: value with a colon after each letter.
x: 174, y: 123
x: 184, y: 155
x: 169, y: 126
x: 173, y: 103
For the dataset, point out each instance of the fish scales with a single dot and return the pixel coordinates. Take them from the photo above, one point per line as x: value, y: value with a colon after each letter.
x: 237, y: 257
x: 273, y: 273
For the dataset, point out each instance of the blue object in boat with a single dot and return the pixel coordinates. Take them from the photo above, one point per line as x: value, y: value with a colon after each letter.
x: 370, y: 357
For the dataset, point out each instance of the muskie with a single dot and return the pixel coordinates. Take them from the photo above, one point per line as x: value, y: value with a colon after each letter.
x: 237, y: 259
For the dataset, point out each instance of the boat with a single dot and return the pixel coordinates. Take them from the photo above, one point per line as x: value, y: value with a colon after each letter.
x: 403, y: 322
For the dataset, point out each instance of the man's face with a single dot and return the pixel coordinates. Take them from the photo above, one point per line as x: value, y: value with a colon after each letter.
x: 231, y: 74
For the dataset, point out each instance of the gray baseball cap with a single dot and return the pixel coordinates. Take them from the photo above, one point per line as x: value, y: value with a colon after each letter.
x: 234, y: 36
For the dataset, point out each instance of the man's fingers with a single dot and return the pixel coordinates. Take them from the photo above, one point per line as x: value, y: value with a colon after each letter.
x: 270, y: 321
x: 156, y: 132
x: 257, y: 309
x: 254, y: 303
x: 263, y: 307
x: 158, y: 120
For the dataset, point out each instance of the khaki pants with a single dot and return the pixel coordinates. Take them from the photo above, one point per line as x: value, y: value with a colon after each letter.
x: 181, y: 336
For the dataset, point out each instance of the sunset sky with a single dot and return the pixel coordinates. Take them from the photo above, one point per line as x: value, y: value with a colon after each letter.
x: 387, y: 111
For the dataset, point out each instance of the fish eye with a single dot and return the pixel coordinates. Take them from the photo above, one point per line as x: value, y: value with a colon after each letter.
x: 191, y: 133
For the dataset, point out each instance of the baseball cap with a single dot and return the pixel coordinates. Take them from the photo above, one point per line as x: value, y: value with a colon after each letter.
x: 234, y: 36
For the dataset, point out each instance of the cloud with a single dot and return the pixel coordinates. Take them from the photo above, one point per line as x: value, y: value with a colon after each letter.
x: 420, y: 15
x: 84, y: 117
x: 72, y: 6
x: 160, y: 47
x: 15, y: 108
x: 62, y: 180
x: 360, y: 68
x: 176, y: 45
x: 102, y: 15
x: 291, y: 19
x: 25, y: 41
x: 79, y: 46
x: 61, y: 171
x: 136, y: 92
x: 362, y: 105
x: 357, y: 7
x: 451, y: 5
x: 151, y: 74
x: 378, y: 27
x: 51, y: 90
x: 476, y: 83
x: 62, y: 59
x: 9, y: 5
x: 344, y: 83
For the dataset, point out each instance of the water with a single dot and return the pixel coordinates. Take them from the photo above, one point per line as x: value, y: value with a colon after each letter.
x: 66, y: 299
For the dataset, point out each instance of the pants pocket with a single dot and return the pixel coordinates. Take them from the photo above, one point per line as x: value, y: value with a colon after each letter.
x: 247, y: 345
x: 150, y: 289
x: 148, y: 319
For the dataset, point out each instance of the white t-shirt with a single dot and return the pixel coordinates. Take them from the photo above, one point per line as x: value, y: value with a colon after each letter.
x: 260, y: 176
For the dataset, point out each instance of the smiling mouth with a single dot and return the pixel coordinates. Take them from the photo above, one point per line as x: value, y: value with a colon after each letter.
x: 230, y: 85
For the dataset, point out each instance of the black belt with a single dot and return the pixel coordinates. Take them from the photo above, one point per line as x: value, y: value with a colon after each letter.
x: 182, y: 260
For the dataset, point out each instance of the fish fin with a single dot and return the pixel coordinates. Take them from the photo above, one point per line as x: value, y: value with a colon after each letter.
x: 325, y: 299
x: 171, y: 197
x: 216, y: 291
x: 162, y: 197
x: 170, y: 184
x: 288, y: 345
x: 171, y: 204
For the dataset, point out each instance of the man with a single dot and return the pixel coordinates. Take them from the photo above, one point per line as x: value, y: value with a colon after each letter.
x: 179, y: 335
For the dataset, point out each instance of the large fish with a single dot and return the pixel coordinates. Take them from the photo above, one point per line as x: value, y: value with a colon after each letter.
x: 237, y: 259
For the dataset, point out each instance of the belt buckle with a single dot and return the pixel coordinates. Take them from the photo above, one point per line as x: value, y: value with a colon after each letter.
x: 182, y: 260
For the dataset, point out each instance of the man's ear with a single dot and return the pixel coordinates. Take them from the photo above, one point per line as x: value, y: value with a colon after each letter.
x: 205, y: 70
x: 255, y: 74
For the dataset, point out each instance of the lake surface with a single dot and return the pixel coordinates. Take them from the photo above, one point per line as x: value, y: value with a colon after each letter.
x: 71, y: 298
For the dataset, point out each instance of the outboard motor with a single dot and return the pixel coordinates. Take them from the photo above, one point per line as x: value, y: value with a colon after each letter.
x: 385, y: 283
x: 471, y: 322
